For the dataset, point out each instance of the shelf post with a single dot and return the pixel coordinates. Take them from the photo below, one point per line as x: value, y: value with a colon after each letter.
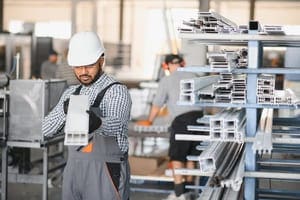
x: 254, y: 61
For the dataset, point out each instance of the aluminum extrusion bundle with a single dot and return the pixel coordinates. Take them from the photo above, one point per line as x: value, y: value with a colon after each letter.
x: 266, y: 93
x: 228, y: 125
x: 274, y: 29
x: 226, y: 60
x: 239, y: 88
x: 207, y: 94
x: 228, y: 164
x: 209, y: 22
x: 189, y: 88
x: 235, y: 180
x: 211, y: 158
x: 263, y: 138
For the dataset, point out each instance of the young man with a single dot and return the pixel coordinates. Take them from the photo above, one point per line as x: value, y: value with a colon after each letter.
x: 49, y: 66
x: 168, y: 93
x: 99, y: 170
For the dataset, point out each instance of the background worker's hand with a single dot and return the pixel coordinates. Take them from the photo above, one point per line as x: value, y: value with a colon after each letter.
x: 144, y: 123
x: 94, y: 121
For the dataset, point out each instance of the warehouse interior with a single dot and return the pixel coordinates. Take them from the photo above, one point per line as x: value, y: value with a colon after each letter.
x: 238, y: 69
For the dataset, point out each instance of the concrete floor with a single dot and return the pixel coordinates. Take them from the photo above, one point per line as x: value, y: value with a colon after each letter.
x: 17, y: 191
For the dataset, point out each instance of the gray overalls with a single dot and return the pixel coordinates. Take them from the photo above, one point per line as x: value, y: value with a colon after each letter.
x: 102, y: 174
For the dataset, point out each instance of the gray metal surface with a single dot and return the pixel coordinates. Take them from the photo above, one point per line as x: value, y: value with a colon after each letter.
x: 30, y: 101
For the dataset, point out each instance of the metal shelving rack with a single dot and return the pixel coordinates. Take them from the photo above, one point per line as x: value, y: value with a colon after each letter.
x: 255, y: 43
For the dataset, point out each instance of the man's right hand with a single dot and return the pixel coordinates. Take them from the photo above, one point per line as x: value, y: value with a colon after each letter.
x: 144, y: 123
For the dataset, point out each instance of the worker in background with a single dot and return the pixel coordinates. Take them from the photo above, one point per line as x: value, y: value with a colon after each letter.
x: 181, y: 116
x: 64, y: 71
x: 49, y: 66
x: 99, y: 170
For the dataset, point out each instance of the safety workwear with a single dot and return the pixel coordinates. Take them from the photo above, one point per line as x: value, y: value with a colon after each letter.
x: 94, y: 121
x: 104, y: 168
x: 85, y: 48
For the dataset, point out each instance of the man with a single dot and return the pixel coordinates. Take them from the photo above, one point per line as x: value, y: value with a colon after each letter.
x: 168, y: 93
x: 49, y: 67
x: 99, y: 170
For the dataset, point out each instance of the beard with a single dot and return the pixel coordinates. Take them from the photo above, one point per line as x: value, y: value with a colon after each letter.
x: 84, y: 77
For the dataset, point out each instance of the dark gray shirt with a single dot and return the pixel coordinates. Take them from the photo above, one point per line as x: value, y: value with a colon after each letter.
x: 48, y: 70
x: 168, y: 93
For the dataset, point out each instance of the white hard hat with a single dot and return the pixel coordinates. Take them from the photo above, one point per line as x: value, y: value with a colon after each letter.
x: 85, y: 48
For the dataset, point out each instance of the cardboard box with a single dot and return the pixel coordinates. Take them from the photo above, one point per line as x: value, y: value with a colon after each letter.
x: 140, y: 165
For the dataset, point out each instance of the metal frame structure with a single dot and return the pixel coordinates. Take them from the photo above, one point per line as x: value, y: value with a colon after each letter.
x: 255, y: 43
x: 3, y: 144
x: 37, y: 179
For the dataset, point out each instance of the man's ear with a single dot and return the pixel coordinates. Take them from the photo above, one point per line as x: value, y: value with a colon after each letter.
x: 101, y: 62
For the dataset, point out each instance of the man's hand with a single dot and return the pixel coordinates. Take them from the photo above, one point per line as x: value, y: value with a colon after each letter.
x: 144, y: 123
x: 94, y: 121
x: 66, y: 105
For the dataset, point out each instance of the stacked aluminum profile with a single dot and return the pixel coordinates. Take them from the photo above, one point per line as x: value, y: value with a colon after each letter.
x: 189, y: 88
x: 231, y: 88
x: 265, y: 89
x: 263, y: 138
x: 209, y: 22
x: 274, y: 30
x: 242, y: 58
x: 228, y: 60
x: 202, y: 125
x: 226, y: 161
x: 223, y: 88
x: 239, y: 88
x: 235, y: 180
x: 226, y: 88
x: 228, y: 125
x: 266, y: 93
x: 212, y: 157
x: 77, y: 121
x: 225, y: 126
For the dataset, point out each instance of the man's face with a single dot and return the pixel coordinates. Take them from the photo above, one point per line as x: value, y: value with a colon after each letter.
x: 88, y: 74
x: 53, y: 58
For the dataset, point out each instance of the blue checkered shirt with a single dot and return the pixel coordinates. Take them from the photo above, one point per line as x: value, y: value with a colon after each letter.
x: 115, y: 108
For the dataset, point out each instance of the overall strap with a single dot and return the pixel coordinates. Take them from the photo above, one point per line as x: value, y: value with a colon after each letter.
x: 102, y: 93
x: 77, y: 91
